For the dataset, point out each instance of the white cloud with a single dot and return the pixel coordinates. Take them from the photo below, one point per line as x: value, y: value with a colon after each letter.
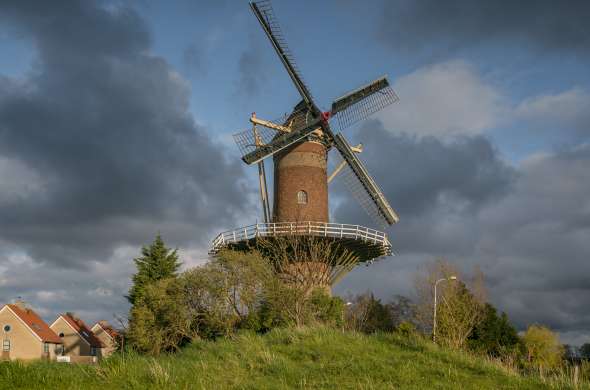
x: 567, y: 109
x: 562, y: 106
x: 449, y: 98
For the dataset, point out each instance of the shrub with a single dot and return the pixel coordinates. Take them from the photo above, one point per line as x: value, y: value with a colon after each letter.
x: 406, y: 329
x: 543, y: 349
x: 494, y: 335
x: 159, y: 318
x: 367, y: 314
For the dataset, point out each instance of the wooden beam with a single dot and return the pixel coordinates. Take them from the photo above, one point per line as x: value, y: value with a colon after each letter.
x: 269, y: 124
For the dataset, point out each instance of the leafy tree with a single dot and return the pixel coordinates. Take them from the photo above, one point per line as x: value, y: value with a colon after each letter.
x: 494, y: 335
x: 460, y: 305
x: 367, y: 314
x: 585, y: 351
x: 160, y: 321
x: 228, y: 292
x: 402, y: 309
x: 542, y: 346
x: 157, y: 262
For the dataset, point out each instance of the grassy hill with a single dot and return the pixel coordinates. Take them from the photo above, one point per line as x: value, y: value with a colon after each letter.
x: 307, y: 358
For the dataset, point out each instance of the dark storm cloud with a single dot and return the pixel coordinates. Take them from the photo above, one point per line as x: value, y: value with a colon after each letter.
x: 103, y: 128
x: 539, y: 236
x: 527, y: 226
x: 447, y: 25
x: 425, y: 177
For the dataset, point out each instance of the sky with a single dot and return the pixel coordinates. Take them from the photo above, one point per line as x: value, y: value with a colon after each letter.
x: 116, y: 120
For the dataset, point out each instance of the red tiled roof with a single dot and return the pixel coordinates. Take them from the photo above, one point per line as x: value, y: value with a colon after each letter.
x: 108, y: 328
x: 36, y: 324
x: 83, y: 330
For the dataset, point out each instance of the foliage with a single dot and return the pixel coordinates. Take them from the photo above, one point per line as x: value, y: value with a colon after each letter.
x: 585, y: 351
x: 402, y: 309
x: 494, y: 335
x: 460, y: 307
x: 367, y: 314
x: 159, y: 319
x: 406, y: 329
x: 227, y: 292
x: 283, y: 358
x: 306, y: 262
x: 326, y: 309
x: 157, y: 262
x: 543, y: 349
x: 242, y: 290
x: 288, y: 305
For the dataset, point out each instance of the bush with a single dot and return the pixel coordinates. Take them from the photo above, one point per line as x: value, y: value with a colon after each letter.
x: 494, y: 335
x: 543, y: 349
x: 367, y: 314
x: 227, y: 292
x: 159, y: 319
x: 240, y: 290
x: 406, y: 329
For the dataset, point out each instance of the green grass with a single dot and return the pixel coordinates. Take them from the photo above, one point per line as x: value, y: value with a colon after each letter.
x: 308, y: 358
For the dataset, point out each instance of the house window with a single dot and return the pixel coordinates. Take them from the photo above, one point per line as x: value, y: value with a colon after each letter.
x: 59, y: 350
x: 93, y: 351
x: 302, y: 197
x: 6, y: 346
x: 46, y: 347
x: 61, y: 335
x: 7, y: 328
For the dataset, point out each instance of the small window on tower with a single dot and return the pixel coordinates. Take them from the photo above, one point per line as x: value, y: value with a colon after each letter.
x: 302, y: 197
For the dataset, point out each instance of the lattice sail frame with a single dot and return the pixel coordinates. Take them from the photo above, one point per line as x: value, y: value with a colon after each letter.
x: 347, y: 110
x: 362, y: 102
x: 265, y: 13
x: 265, y: 142
x: 362, y: 186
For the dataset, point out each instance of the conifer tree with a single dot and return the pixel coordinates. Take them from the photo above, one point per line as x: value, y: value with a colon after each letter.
x: 157, y: 262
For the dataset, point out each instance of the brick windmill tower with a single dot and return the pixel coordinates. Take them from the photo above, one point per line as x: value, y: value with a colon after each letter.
x: 299, y: 144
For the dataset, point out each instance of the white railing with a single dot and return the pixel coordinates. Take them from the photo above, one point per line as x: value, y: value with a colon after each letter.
x: 318, y: 229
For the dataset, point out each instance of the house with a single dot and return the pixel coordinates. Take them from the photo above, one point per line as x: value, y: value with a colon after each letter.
x: 107, y: 335
x: 25, y: 336
x: 79, y: 342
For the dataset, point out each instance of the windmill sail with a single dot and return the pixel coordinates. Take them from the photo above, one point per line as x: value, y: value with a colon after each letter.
x: 301, y: 124
x: 363, y: 187
x: 363, y: 102
x: 265, y: 15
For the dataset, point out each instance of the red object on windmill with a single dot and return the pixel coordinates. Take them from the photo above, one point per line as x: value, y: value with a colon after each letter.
x: 299, y: 144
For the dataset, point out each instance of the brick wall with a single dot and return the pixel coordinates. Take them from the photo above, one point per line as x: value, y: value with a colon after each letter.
x: 302, y: 167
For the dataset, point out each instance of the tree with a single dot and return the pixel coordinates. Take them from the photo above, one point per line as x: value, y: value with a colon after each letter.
x: 494, y: 335
x: 403, y: 310
x: 240, y: 289
x: 156, y: 263
x: 460, y: 306
x: 585, y: 351
x: 543, y: 349
x: 227, y: 292
x: 306, y: 267
x: 367, y: 314
x: 160, y: 320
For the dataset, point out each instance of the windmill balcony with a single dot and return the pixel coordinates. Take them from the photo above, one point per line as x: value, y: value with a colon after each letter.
x: 368, y: 244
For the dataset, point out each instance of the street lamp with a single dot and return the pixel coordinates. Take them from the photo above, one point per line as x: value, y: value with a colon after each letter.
x: 434, y: 316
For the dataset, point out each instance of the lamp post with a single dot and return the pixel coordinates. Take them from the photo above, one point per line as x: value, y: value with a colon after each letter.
x: 434, y: 316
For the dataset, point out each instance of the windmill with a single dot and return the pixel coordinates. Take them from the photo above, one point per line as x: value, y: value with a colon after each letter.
x: 299, y: 144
